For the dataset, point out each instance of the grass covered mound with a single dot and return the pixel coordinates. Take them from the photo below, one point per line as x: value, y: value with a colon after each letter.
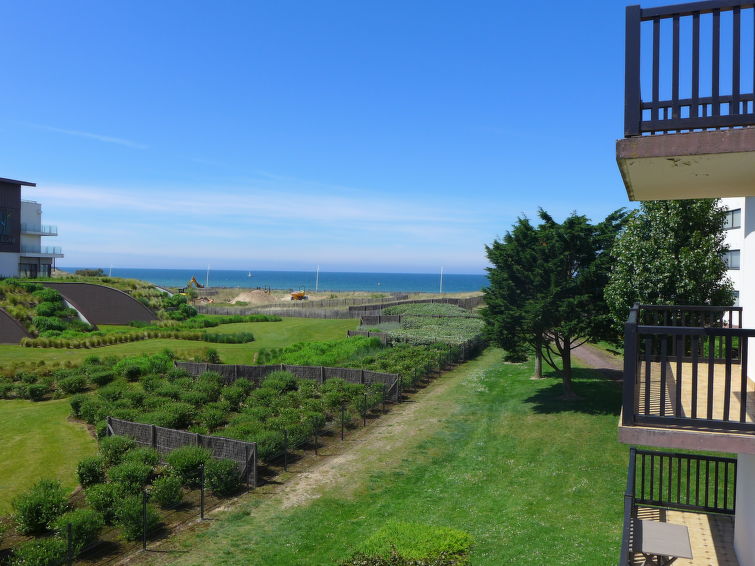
x: 416, y: 544
x: 329, y: 353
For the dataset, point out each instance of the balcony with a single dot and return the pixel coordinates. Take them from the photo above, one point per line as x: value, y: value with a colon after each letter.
x: 683, y: 489
x: 689, y: 101
x: 41, y: 251
x: 39, y: 230
x: 685, y: 379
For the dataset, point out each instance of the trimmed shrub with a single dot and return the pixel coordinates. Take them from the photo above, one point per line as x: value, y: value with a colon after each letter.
x: 6, y: 389
x: 102, y: 377
x: 222, y: 477
x: 102, y: 497
x: 73, y: 384
x: 39, y: 552
x: 112, y: 448
x: 144, y: 455
x: 166, y: 491
x: 91, y: 471
x: 36, y: 391
x: 76, y: 401
x: 128, y: 516
x: 132, y: 476
x: 86, y: 525
x: 185, y: 462
x: 36, y: 509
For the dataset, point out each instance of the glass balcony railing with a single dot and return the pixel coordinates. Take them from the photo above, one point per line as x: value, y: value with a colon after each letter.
x: 46, y: 250
x: 43, y: 229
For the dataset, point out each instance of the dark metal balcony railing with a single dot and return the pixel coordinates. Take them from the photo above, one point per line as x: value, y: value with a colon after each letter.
x: 687, y: 366
x: 694, y: 66
x: 684, y: 482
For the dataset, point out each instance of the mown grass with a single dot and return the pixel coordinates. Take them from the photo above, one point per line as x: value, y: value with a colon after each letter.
x: 37, y: 441
x: 267, y: 335
x: 531, y: 477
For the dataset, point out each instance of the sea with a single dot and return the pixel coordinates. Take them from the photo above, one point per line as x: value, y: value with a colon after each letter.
x: 307, y: 280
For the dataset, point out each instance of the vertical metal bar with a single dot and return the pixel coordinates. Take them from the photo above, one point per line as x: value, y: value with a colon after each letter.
x: 689, y: 465
x: 675, y: 78
x: 743, y: 354
x: 715, y: 485
x: 711, y: 373
x: 144, y: 519
x: 656, y: 66
x: 648, y: 372
x: 727, y: 382
x: 695, y: 364
x: 201, y: 491
x: 707, y: 481
x: 678, y: 480
x: 664, y: 348
x: 630, y: 373
x: 642, y: 489
x: 343, y: 418
x: 726, y: 484
x: 697, y: 481
x: 285, y: 450
x: 679, y: 375
x: 734, y: 107
x: 660, y: 478
x: 652, y: 476
x: 716, y: 63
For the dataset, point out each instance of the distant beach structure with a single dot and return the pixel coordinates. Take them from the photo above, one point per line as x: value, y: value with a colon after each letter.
x: 328, y: 281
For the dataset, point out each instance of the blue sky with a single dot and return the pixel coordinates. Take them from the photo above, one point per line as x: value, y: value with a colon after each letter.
x: 365, y: 136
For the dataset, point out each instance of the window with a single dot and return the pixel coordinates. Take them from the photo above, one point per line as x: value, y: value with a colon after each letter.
x: 736, y: 298
x: 733, y: 219
x: 732, y: 259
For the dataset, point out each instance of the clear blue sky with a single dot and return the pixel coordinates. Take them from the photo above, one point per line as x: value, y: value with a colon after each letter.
x: 365, y: 136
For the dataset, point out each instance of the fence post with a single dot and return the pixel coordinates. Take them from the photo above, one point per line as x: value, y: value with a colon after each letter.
x: 322, y: 375
x: 285, y: 450
x: 316, y: 454
x: 201, y: 491
x: 361, y: 377
x: 154, y: 437
x: 343, y: 418
x: 364, y: 415
x: 144, y: 519
x: 109, y: 426
x: 254, y: 466
x: 69, y: 548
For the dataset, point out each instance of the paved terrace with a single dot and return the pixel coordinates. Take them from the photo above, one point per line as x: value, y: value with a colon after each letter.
x: 711, y: 536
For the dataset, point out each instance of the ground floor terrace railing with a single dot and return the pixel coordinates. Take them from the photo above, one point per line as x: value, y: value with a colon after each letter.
x: 687, y: 366
x: 676, y: 481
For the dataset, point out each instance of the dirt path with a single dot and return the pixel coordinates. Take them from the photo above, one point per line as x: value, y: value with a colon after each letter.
x: 594, y: 357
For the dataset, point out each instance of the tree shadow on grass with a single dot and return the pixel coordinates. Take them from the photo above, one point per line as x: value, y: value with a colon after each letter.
x: 598, y: 393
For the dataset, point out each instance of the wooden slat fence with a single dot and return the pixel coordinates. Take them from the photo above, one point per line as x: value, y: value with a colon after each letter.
x: 165, y: 440
x: 231, y: 372
x: 285, y: 312
x: 468, y: 303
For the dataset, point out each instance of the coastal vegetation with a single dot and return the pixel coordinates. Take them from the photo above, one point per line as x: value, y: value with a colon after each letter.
x: 546, y: 288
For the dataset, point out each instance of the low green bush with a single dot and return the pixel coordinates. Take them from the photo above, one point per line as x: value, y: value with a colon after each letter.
x: 102, y: 498
x: 113, y: 448
x: 35, y: 510
x: 166, y: 491
x: 36, y: 391
x: 143, y: 455
x: 91, y: 470
x: 222, y: 477
x: 131, y: 476
x: 186, y: 462
x: 128, y: 516
x: 86, y: 525
x: 102, y: 377
x: 73, y: 384
x: 39, y: 552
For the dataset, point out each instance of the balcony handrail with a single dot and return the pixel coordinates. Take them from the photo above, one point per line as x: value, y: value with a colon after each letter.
x: 44, y: 229
x: 675, y: 480
x: 670, y: 371
x: 699, y: 110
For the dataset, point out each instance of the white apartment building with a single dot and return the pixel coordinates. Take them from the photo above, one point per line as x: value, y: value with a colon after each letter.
x: 23, y: 249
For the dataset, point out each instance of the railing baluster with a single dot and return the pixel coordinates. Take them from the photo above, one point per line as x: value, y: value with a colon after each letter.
x: 744, y: 382
x: 689, y: 465
x: 707, y: 481
x: 679, y: 480
x: 632, y: 98
x: 697, y: 483
x: 670, y: 491
x: 727, y: 382
x: 679, y: 371
x: 660, y: 478
x: 664, y: 347
x: 652, y: 476
x: 726, y: 484
x: 716, y: 61
x: 648, y: 372
x: 715, y: 487
x: 694, y: 110
x: 695, y: 362
x: 642, y: 489
x: 711, y: 373
x: 734, y: 105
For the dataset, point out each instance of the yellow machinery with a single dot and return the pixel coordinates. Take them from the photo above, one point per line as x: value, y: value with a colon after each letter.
x: 298, y: 296
x: 193, y: 281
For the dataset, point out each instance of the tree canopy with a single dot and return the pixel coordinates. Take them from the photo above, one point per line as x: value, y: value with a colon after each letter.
x: 671, y: 252
x: 546, y: 287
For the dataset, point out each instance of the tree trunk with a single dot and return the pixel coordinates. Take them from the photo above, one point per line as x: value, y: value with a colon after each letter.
x: 566, y: 372
x: 538, y: 359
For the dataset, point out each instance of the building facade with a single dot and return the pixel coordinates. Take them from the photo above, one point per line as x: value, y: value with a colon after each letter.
x: 688, y: 391
x: 23, y: 251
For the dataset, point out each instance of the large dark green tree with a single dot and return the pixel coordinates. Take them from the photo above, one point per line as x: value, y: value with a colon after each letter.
x: 546, y: 288
x: 670, y: 253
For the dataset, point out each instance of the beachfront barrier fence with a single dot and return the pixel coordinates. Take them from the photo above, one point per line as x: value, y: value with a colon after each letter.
x: 165, y: 440
x: 255, y: 374
x: 284, y: 312
x: 468, y: 303
x: 367, y: 320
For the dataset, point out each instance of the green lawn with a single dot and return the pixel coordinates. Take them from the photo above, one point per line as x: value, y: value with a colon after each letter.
x: 266, y: 334
x: 36, y: 441
x: 483, y: 449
